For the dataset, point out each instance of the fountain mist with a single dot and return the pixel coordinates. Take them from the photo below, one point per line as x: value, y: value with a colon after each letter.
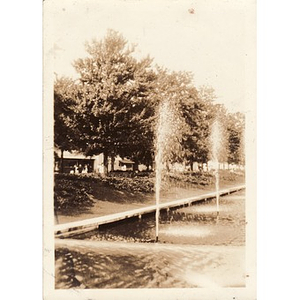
x: 164, y: 135
x: 216, y: 139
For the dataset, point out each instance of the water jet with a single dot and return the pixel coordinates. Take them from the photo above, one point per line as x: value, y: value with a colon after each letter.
x: 215, y: 152
x: 166, y: 125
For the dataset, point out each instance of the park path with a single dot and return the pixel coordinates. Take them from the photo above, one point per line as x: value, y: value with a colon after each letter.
x: 102, y: 264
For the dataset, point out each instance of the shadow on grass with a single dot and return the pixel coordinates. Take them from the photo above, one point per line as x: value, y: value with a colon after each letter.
x: 109, y: 194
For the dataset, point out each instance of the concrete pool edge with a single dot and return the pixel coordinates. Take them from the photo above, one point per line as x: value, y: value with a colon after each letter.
x: 74, y: 228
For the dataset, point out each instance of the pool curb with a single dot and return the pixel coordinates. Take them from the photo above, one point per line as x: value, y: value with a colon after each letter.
x: 74, y: 228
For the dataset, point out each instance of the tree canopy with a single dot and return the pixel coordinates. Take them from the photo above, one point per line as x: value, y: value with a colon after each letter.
x: 236, y: 132
x: 114, y: 97
x: 113, y: 108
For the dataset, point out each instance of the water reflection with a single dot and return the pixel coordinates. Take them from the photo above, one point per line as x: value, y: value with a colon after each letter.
x: 198, y: 224
x: 124, y: 255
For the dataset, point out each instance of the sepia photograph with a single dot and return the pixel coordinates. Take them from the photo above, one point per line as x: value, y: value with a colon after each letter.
x: 149, y: 149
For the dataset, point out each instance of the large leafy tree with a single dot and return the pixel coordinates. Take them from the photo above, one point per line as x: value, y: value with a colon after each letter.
x: 188, y: 117
x: 236, y: 129
x: 114, y: 106
x: 66, y: 133
x: 196, y: 111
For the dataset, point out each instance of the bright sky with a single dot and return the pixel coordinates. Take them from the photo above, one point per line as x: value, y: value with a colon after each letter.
x: 208, y: 38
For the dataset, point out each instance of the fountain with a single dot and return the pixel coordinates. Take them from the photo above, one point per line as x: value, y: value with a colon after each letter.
x: 183, y: 258
x: 216, y: 139
x: 167, y: 129
x: 189, y: 225
x: 165, y: 133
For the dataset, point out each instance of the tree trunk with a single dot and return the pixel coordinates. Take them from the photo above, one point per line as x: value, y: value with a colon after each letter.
x: 112, y: 163
x: 152, y: 165
x: 105, y: 162
x: 168, y: 166
x: 200, y: 166
x: 56, y: 216
x: 91, y: 166
x: 61, y: 161
x: 149, y: 163
x: 135, y: 166
x: 192, y: 165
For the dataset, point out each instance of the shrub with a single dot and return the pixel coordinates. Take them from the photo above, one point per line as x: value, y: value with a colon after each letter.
x: 80, y: 185
x: 192, y: 178
x: 130, y: 184
x: 131, y: 174
x: 74, y: 191
x: 71, y: 193
x: 226, y: 175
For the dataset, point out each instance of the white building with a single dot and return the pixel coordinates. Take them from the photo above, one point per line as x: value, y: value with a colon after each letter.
x: 77, y: 162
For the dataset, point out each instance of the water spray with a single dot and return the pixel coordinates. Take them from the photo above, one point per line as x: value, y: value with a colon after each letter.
x: 164, y: 133
x: 217, y: 188
x: 216, y: 145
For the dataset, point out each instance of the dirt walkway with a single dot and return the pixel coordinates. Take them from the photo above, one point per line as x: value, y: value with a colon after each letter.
x: 96, y: 265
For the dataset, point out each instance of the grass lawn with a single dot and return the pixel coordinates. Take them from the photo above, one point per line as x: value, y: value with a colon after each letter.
x: 109, y: 200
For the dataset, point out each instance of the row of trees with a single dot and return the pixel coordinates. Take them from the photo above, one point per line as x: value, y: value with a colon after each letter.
x: 112, y: 108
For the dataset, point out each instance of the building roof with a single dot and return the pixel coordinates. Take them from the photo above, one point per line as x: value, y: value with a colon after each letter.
x: 73, y: 155
x: 126, y: 161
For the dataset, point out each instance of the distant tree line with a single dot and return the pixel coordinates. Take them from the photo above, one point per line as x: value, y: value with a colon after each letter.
x: 112, y: 109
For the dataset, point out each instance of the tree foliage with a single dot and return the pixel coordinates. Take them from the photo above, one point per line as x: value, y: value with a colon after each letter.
x: 190, y: 119
x: 66, y: 130
x: 114, y: 97
x: 236, y: 130
x: 195, y: 109
x: 64, y: 115
x: 114, y: 109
